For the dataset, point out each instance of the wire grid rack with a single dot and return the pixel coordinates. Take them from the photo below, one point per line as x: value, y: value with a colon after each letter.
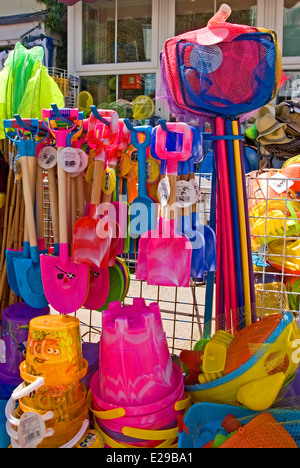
x: 275, y: 241
x: 182, y: 309
x: 68, y: 84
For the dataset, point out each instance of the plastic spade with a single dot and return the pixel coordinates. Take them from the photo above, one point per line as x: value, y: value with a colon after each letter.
x: 142, y: 209
x: 92, y: 234
x: 66, y: 284
x: 27, y: 270
x: 170, y: 251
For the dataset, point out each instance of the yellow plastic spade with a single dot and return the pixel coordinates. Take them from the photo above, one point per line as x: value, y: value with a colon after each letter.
x: 215, y: 352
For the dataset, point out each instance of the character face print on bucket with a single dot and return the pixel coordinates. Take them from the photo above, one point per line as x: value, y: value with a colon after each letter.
x: 65, y: 280
x: 47, y: 349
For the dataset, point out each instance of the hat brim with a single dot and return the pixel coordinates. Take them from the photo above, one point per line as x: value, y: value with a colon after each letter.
x: 274, y: 128
x: 265, y: 142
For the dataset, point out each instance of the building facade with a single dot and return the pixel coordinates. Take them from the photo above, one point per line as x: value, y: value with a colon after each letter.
x: 114, y: 45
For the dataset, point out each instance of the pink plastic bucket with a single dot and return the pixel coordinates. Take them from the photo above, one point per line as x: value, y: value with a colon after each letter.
x: 139, y: 410
x: 153, y: 421
x: 135, y: 366
x: 138, y: 443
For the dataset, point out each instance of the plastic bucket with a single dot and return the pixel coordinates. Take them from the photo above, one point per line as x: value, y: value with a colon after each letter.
x: 154, y: 421
x: 14, y: 336
x: 54, y: 350
x: 135, y: 366
x: 64, y: 431
x: 142, y: 409
x: 119, y: 438
x: 62, y: 400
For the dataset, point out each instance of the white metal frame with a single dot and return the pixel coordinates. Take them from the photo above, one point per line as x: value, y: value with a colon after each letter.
x: 270, y: 14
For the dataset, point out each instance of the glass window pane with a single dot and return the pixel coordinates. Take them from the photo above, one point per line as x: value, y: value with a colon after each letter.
x: 242, y: 12
x: 134, y: 30
x: 291, y: 29
x: 119, y: 91
x: 98, y: 32
x: 192, y: 15
x: 131, y: 43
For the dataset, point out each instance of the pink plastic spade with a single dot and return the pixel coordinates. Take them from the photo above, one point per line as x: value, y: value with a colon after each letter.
x: 169, y: 254
x: 65, y: 283
x: 89, y: 247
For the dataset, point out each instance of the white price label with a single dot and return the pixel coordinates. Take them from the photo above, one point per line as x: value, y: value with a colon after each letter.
x: 280, y: 183
x: 164, y: 191
x: 185, y: 194
x: 31, y: 430
x: 195, y: 187
x: 47, y: 157
x: 69, y: 159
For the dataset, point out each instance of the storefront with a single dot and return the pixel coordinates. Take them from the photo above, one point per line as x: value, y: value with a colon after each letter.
x: 114, y: 45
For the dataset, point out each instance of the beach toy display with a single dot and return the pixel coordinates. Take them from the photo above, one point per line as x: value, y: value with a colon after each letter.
x: 273, y: 208
x: 14, y: 338
x: 210, y: 425
x: 254, y: 369
x: 51, y: 389
x: 138, y: 392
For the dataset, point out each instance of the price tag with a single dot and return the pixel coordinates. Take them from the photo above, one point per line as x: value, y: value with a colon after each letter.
x: 31, y: 430
x: 109, y: 181
x: 69, y: 160
x: 163, y: 191
x: 17, y: 168
x: 196, y: 188
x: 185, y: 194
x: 47, y: 157
x: 280, y: 183
x: 83, y: 160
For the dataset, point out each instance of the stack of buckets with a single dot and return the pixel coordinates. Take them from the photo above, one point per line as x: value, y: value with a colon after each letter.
x: 138, y: 393
x: 13, y: 342
x: 54, y: 353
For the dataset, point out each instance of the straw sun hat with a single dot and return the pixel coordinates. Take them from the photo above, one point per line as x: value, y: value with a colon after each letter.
x: 270, y: 131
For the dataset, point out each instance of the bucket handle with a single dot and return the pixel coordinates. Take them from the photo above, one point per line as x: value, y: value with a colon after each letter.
x: 170, y: 443
x: 116, y: 413
x: 78, y: 436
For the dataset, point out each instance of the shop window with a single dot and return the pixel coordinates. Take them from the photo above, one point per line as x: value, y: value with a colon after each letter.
x: 291, y: 29
x: 192, y: 15
x: 117, y: 31
x: 119, y: 91
x: 291, y: 88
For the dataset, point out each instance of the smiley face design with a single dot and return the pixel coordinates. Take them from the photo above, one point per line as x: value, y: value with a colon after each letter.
x: 64, y: 279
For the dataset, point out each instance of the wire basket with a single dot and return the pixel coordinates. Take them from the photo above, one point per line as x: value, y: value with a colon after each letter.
x: 275, y: 236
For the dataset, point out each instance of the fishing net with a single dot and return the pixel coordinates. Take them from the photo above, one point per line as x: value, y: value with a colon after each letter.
x: 25, y: 85
x: 210, y: 426
x: 225, y: 70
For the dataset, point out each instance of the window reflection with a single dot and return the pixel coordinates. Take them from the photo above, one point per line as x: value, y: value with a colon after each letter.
x: 191, y: 15
x: 119, y: 91
x: 117, y: 31
x: 291, y: 29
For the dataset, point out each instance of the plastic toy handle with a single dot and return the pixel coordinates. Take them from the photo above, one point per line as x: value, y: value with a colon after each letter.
x: 21, y: 391
x: 148, y: 434
x: 14, y: 435
x: 110, y: 414
x: 220, y: 17
x: 78, y: 436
